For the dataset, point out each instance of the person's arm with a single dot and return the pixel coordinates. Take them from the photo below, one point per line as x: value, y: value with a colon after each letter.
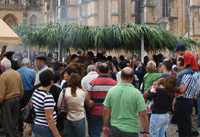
x: 151, y: 96
x: 106, y: 115
x: 51, y: 122
x: 88, y: 101
x: 139, y: 71
x: 174, y: 102
x: 184, y: 67
x: 60, y: 99
x: 181, y: 88
x: 144, y: 122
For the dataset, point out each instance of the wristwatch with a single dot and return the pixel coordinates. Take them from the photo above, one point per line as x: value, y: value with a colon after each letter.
x: 146, y: 132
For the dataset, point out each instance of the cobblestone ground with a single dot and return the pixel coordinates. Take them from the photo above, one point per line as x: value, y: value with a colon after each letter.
x: 171, y: 130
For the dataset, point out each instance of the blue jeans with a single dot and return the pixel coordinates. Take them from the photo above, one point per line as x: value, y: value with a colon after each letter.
x: 159, y: 124
x: 41, y: 131
x: 188, y: 70
x: 198, y: 108
x: 74, y: 128
x: 96, y: 125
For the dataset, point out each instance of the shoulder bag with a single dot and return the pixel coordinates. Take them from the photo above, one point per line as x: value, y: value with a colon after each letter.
x: 27, y: 113
x: 63, y: 110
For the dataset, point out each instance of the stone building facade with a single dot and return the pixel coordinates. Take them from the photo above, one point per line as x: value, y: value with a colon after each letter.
x: 181, y: 17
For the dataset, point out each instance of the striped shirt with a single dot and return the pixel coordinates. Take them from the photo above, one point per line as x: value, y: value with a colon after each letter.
x: 97, y: 90
x: 42, y: 100
x: 189, y: 82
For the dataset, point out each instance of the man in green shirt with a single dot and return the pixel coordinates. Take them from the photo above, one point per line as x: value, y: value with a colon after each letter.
x: 126, y: 102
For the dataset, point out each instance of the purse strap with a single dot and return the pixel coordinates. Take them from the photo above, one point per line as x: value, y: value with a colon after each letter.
x: 64, y: 89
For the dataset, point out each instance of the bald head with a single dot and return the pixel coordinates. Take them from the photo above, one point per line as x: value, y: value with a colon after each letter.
x: 91, y: 68
x: 103, y: 68
x: 127, y: 73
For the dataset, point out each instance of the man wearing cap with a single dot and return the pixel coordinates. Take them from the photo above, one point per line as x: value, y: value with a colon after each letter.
x: 41, y: 64
x: 190, y: 62
x: 14, y: 63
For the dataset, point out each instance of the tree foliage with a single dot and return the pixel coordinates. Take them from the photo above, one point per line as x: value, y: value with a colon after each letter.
x: 108, y: 37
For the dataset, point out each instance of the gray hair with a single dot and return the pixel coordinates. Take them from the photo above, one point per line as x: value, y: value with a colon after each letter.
x: 97, y: 64
x: 25, y: 61
x: 6, y: 63
x: 91, y: 68
x: 136, y: 58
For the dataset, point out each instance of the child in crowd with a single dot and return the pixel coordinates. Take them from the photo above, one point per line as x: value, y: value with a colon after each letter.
x: 150, y: 76
x: 156, y: 84
x: 190, y: 62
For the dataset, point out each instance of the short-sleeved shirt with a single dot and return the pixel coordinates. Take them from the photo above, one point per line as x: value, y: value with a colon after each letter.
x: 42, y: 100
x: 189, y: 82
x: 126, y: 101
x: 149, y: 79
x: 190, y: 60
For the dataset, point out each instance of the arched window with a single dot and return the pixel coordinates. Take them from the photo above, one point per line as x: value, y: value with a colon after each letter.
x: 33, y: 20
x: 10, y: 20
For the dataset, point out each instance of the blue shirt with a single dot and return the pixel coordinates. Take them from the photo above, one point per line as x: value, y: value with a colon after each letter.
x: 28, y: 77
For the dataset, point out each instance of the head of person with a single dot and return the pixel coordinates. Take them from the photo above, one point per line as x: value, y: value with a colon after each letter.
x: 121, y: 57
x: 79, y: 53
x: 122, y: 65
x: 19, y: 56
x: 74, y: 82
x: 56, y: 77
x: 97, y: 64
x: 170, y: 86
x: 5, y: 63
x: 160, y: 58
x: 156, y: 84
x: 91, y: 54
x: 110, y: 66
x: 167, y: 65
x: 9, y: 55
x: 68, y: 71
x: 109, y: 58
x: 146, y: 59
x: 136, y: 61
x: 180, y: 64
x: 46, y: 78
x: 56, y: 54
x: 151, y: 66
x: 197, y: 55
x: 180, y: 49
x: 40, y: 61
x: 91, y: 68
x: 127, y: 75
x: 74, y: 57
x: 103, y: 69
x: 26, y: 62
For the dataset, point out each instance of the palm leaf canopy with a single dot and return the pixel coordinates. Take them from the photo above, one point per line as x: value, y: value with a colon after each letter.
x: 108, y: 37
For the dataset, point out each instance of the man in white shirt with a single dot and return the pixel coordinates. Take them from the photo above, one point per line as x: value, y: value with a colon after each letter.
x: 91, y: 74
x: 41, y: 64
x: 122, y: 65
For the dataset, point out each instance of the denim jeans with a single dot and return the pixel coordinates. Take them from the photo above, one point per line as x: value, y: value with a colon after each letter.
x: 41, y: 131
x: 188, y: 70
x: 115, y: 132
x: 159, y: 124
x: 198, y: 108
x: 74, y: 128
x: 96, y: 125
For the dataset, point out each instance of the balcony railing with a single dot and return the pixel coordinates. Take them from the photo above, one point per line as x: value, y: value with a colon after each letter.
x: 11, y: 6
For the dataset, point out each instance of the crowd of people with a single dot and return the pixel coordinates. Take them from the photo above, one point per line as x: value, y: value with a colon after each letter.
x: 109, y: 93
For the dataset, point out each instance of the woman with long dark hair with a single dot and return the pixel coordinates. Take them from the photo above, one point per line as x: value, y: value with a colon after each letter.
x: 162, y: 101
x: 75, y: 97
